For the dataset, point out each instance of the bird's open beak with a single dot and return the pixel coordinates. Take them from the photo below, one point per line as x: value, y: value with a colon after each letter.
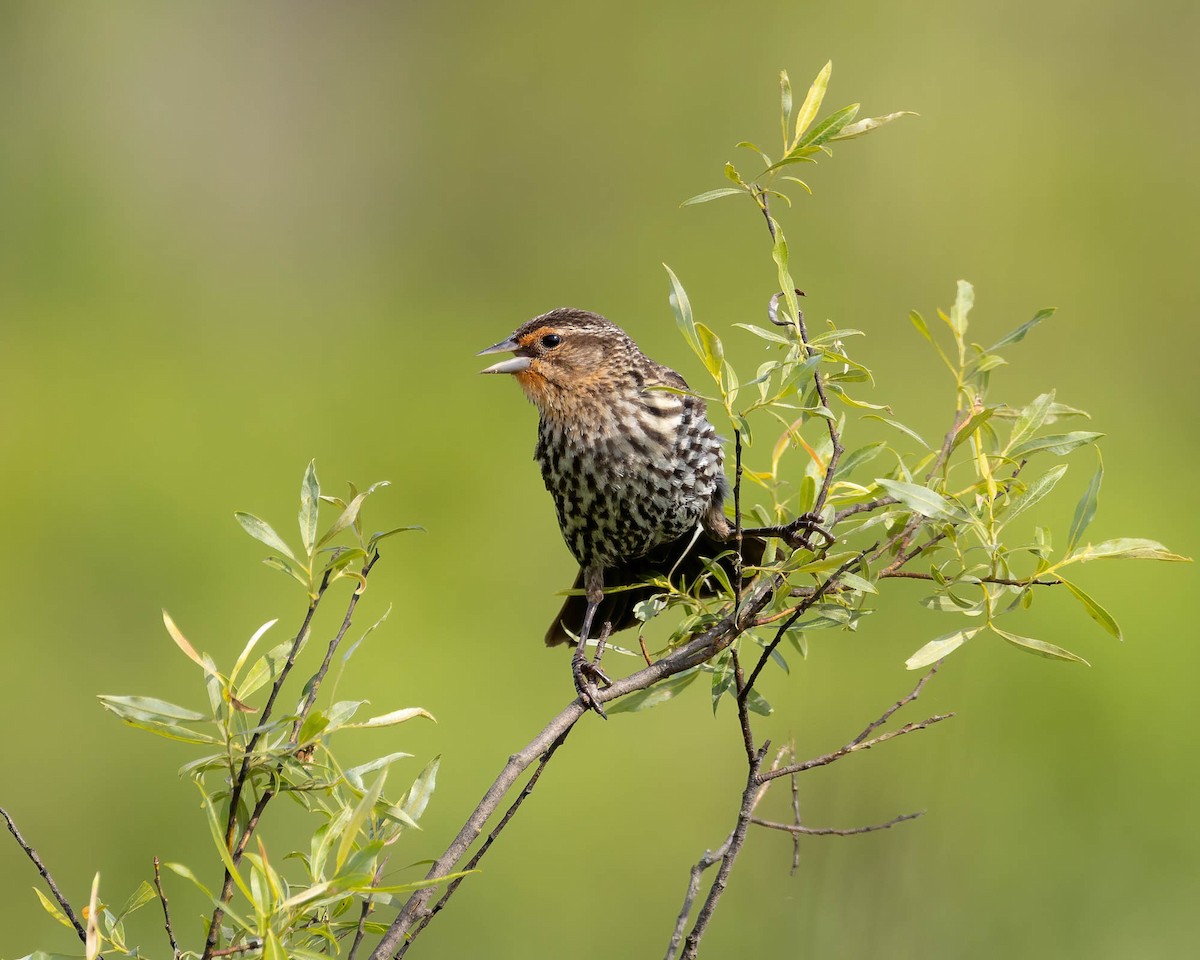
x: 512, y: 364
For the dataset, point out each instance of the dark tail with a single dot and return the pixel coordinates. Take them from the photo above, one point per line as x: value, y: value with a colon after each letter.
x: 617, y: 607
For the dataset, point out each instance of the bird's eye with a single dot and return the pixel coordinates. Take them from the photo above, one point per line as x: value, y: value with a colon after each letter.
x: 551, y: 340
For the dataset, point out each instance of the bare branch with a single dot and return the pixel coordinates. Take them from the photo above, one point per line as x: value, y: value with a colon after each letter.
x: 45, y: 874
x: 709, y: 859
x: 796, y: 830
x: 162, y: 896
x: 488, y: 841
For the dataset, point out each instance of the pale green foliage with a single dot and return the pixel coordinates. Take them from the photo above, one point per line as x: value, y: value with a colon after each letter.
x: 944, y: 514
x: 296, y: 900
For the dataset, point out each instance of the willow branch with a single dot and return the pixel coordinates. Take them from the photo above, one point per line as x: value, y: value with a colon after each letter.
x: 45, y: 874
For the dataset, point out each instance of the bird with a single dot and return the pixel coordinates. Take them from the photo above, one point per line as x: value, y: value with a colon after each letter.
x: 634, y: 466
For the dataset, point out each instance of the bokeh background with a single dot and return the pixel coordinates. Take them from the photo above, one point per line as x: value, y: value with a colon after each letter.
x: 236, y: 237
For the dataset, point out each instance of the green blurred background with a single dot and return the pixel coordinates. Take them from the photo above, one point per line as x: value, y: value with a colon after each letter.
x: 235, y: 237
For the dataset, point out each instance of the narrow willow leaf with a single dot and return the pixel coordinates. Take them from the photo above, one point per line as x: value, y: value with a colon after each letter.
x: 376, y: 537
x: 138, y: 899
x: 923, y: 500
x: 1037, y: 490
x: 241, y: 660
x: 868, y: 124
x: 974, y: 422
x: 1059, y: 444
x: 293, y: 570
x: 52, y: 908
x: 1019, y: 334
x: 182, y: 643
x: 1040, y: 647
x: 858, y: 457
x: 354, y: 775
x: 350, y: 514
x: 830, y: 127
x: 310, y: 501
x: 417, y: 798
x: 362, y: 813
x: 713, y: 195
x: 768, y: 335
x: 812, y: 102
x: 712, y: 351
x: 785, y: 103
x: 918, y: 321
x: 653, y: 696
x: 1086, y: 509
x: 1030, y: 420
x: 393, y: 718
x: 757, y: 703
x: 934, y: 650
x: 898, y: 426
x: 262, y: 531
x: 1127, y: 548
x: 964, y: 300
x: 683, y: 311
x: 1094, y: 610
x: 148, y: 708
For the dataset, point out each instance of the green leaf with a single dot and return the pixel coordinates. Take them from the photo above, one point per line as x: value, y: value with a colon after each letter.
x: 1125, y: 548
x: 52, y: 908
x: 964, y: 299
x: 652, y: 696
x: 262, y: 531
x: 138, y: 899
x: 376, y: 537
x: 417, y: 798
x: 830, y: 127
x: 785, y: 103
x: 923, y: 500
x: 713, y: 195
x: 148, y: 708
x: 1022, y: 330
x: 812, y: 102
x: 393, y: 718
x: 293, y: 570
x: 974, y: 422
x: 1030, y: 420
x: 310, y: 502
x: 350, y: 514
x: 354, y: 776
x: 1059, y: 444
x: 711, y: 351
x: 1036, y: 491
x: 241, y: 660
x: 868, y: 124
x: 1040, y: 647
x: 934, y: 650
x: 1086, y: 509
x: 859, y: 457
x: 898, y: 426
x: 182, y: 643
x: 362, y: 813
x: 1094, y: 610
x: 683, y: 311
x: 757, y: 703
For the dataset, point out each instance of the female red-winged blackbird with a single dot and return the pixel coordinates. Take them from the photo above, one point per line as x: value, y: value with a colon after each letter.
x: 635, y: 472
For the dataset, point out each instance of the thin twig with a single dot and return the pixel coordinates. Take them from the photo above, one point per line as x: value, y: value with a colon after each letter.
x: 45, y: 874
x: 162, y: 896
x: 252, y: 944
x: 236, y: 850
x: 797, y: 831
x: 864, y: 741
x: 473, y: 863
x: 1002, y: 581
x: 795, y: 814
x: 709, y: 859
x: 862, y: 508
x: 364, y: 912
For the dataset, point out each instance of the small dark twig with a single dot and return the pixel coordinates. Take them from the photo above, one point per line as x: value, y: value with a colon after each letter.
x: 710, y: 858
x: 795, y: 814
x: 1002, y: 581
x: 864, y: 741
x: 45, y: 874
x: 365, y: 911
x: 862, y: 508
x: 162, y: 896
x: 797, y: 831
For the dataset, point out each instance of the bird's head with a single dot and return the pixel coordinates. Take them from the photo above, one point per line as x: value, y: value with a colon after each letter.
x: 562, y: 354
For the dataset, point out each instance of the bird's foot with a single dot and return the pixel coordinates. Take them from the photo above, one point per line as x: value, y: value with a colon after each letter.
x: 588, y: 673
x: 799, y: 532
